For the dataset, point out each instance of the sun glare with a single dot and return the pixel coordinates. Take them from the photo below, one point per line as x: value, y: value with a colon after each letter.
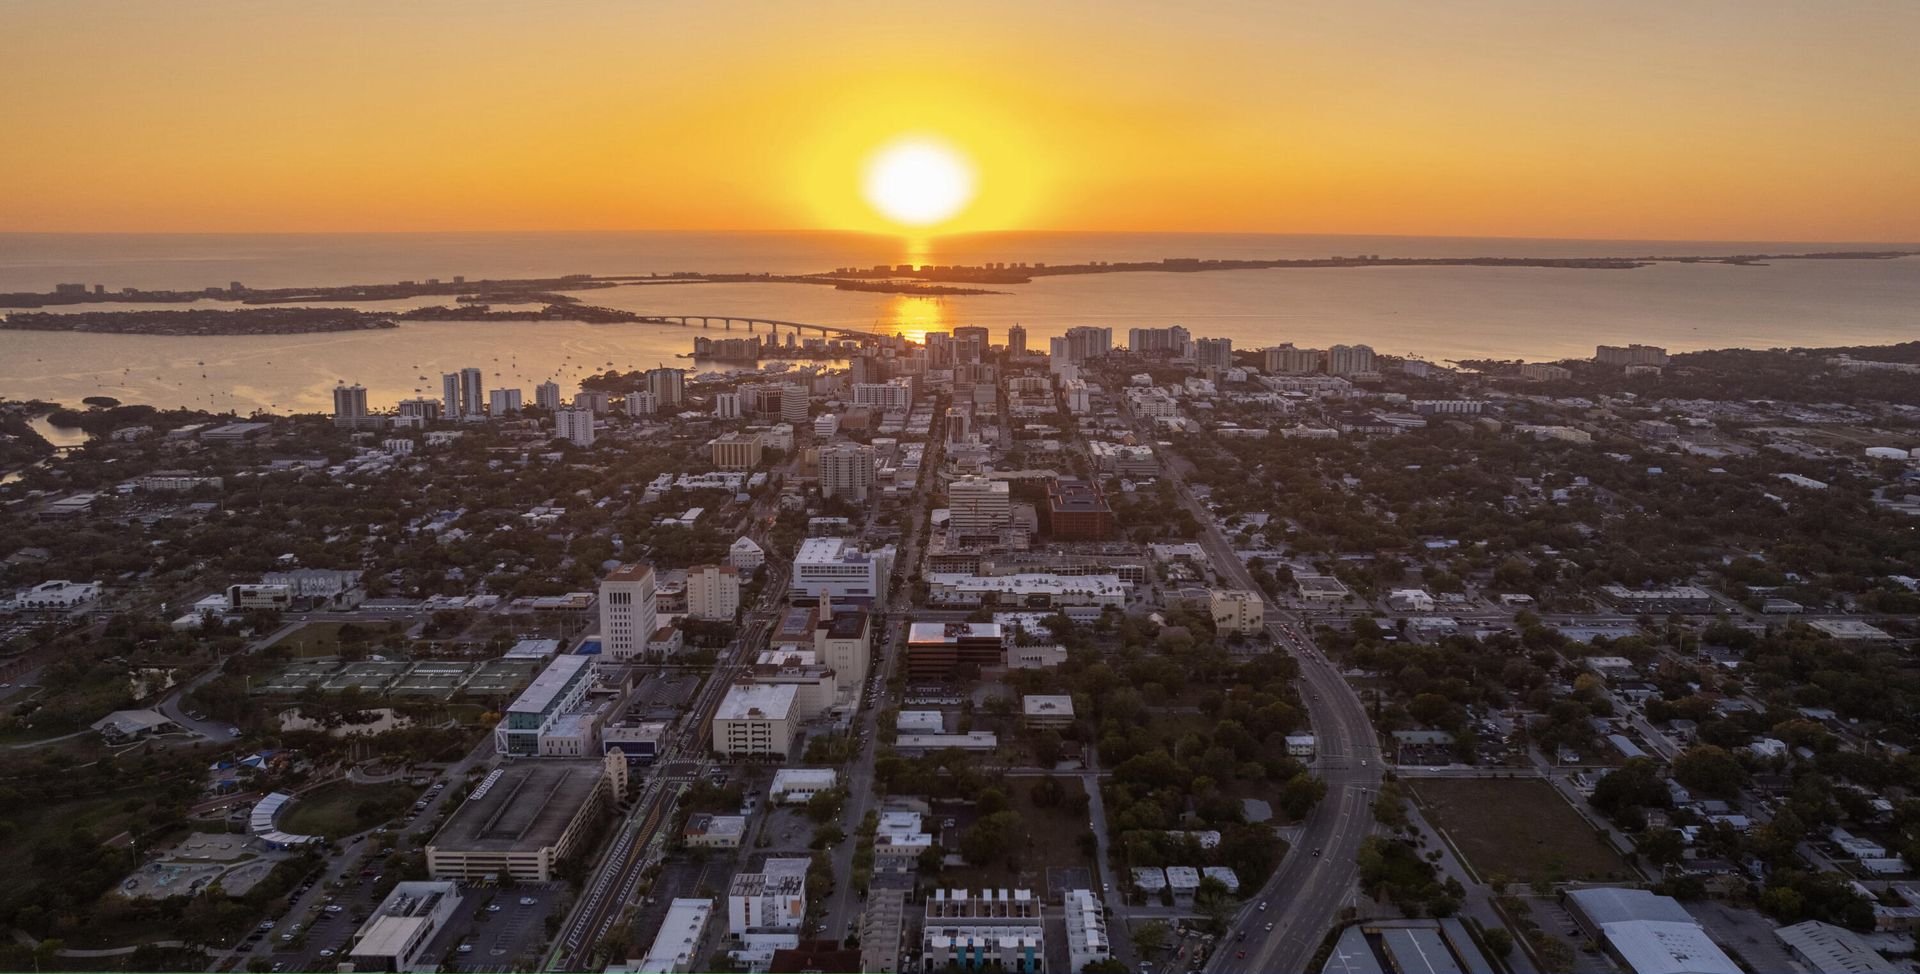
x: 918, y: 182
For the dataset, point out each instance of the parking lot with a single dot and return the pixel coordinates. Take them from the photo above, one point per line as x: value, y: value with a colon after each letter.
x: 498, y: 928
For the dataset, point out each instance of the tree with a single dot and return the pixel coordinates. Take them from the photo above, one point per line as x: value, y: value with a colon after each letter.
x: 1150, y: 937
x: 1499, y: 942
x: 991, y: 837
x: 1710, y: 770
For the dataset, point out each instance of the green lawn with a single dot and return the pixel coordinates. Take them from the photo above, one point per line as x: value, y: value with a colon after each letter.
x: 342, y: 809
x: 1519, y: 828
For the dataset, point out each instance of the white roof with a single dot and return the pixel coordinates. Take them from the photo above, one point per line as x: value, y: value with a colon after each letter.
x: 1830, y: 948
x: 541, y: 692
x: 388, y: 936
x: 804, y: 779
x: 679, y: 937
x: 1047, y: 705
x: 1663, y: 947
x: 765, y: 701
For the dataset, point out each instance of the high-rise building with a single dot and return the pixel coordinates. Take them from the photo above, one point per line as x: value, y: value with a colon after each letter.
x: 846, y: 470
x: 1173, y: 341
x: 596, y: 401
x: 669, y: 386
x: 422, y: 408
x: 713, y: 592
x: 1288, y: 360
x: 575, y: 425
x: 894, y: 395
x: 1213, y: 353
x: 726, y: 405
x: 450, y: 395
x: 794, y: 404
x: 473, y: 392
x: 627, y: 612
x: 350, y: 406
x: 1017, y: 340
x: 977, y: 505
x: 1348, y: 359
x: 642, y: 403
x: 1082, y: 343
x: 503, y: 402
x: 546, y: 395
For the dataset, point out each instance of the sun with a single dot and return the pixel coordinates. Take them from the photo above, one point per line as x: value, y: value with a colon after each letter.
x: 918, y: 181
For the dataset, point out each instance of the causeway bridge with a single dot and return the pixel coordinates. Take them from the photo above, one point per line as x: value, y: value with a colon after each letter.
x: 727, y: 322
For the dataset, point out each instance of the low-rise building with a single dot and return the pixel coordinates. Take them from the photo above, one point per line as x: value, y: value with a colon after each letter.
x: 1238, y: 610
x: 676, y: 948
x: 773, y: 899
x: 708, y: 831
x: 1047, y: 711
x: 395, y: 937
x: 996, y: 927
x: 1087, y: 939
x: 797, y: 786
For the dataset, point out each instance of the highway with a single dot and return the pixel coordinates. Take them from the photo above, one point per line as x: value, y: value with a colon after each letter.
x: 1320, y: 873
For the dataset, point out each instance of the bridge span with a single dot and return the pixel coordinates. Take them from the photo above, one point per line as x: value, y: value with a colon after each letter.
x: 774, y: 325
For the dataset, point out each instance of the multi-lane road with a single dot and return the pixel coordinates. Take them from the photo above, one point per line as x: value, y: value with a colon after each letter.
x: 1319, y: 875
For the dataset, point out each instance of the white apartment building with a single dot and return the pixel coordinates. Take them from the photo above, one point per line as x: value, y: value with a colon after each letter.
x: 574, y: 425
x: 546, y: 395
x: 713, y: 592
x: 640, y: 402
x: 726, y: 405
x: 978, y: 505
x: 775, y: 898
x: 746, y: 555
x: 846, y: 470
x: 503, y: 402
x: 1349, y: 359
x: 627, y: 612
x: 894, y: 395
x: 1087, y: 939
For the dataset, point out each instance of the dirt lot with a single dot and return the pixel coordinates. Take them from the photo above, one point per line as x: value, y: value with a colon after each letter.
x: 1518, y: 828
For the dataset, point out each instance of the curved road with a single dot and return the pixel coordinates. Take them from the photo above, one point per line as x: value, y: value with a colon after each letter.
x: 1319, y: 875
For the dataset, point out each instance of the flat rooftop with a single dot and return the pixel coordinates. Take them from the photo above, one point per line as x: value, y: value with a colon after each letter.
x: 528, y: 807
x: 770, y: 701
x: 545, y: 688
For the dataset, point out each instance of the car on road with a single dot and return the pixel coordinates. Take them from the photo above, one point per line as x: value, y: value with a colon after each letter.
x: 266, y: 925
x: 1269, y: 928
x: 528, y: 901
x: 233, y: 732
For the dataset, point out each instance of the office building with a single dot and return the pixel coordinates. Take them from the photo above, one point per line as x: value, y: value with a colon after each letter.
x: 396, y: 936
x: 546, y: 395
x: 1288, y: 360
x: 940, y: 650
x: 1349, y: 359
x: 556, y: 690
x: 350, y: 407
x: 840, y: 637
x: 1087, y: 938
x: 503, y: 402
x: 773, y: 899
x: 755, y: 719
x: 627, y: 612
x: 640, y: 402
x: 837, y: 569
x: 1000, y: 928
x: 1076, y: 511
x: 977, y: 505
x: 1047, y: 711
x: 846, y: 471
x: 794, y: 404
x: 737, y: 451
x: 676, y: 948
x: 669, y: 387
x: 713, y: 592
x: 1237, y: 610
x: 1213, y: 353
x: 746, y: 555
x: 575, y: 425
x: 524, y: 818
x: 1017, y: 340
x: 726, y: 405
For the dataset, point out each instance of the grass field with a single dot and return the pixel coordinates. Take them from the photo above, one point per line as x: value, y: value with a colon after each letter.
x: 343, y: 809
x: 1519, y: 828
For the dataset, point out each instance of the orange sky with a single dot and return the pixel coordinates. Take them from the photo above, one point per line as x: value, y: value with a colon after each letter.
x: 1698, y: 120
